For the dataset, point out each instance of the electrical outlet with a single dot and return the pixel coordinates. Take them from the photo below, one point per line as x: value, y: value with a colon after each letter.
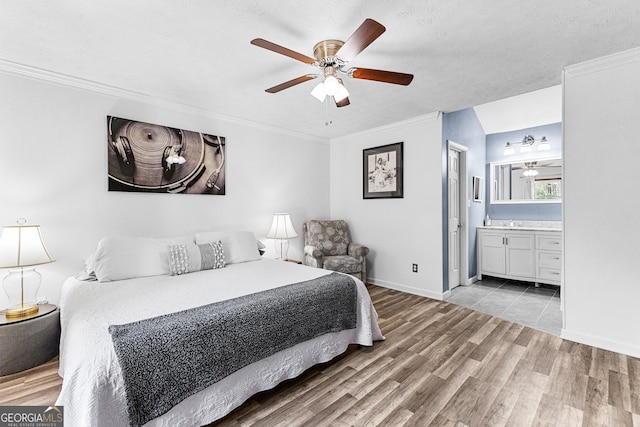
x: 415, y: 268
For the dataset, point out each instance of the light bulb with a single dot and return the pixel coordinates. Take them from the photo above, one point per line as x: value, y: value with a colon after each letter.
x: 331, y: 85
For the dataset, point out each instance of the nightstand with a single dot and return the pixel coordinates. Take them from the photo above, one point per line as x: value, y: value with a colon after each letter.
x: 29, y: 341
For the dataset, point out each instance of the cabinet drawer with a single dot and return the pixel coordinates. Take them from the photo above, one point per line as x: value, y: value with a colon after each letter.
x: 549, y: 259
x: 547, y: 273
x: 549, y: 242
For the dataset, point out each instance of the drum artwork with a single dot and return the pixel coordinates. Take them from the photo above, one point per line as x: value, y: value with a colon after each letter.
x: 145, y: 157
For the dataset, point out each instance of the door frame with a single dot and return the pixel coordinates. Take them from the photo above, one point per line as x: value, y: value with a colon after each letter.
x: 465, y: 203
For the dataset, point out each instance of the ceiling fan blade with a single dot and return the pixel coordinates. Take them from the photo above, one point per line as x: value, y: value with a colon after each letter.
x: 282, y: 51
x: 290, y: 83
x: 366, y: 33
x: 381, y: 76
x: 342, y: 103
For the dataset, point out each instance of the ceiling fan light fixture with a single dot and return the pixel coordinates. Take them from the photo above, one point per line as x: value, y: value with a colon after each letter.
x: 331, y: 56
x: 318, y: 92
x: 341, y: 94
x: 331, y: 85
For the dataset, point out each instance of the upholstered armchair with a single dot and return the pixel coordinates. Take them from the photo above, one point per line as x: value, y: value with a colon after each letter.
x: 328, y: 245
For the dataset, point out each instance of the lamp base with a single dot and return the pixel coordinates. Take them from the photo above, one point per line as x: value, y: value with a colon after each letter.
x: 21, y: 286
x: 21, y: 311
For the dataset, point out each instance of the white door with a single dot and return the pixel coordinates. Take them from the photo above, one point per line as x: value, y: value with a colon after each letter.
x: 455, y: 225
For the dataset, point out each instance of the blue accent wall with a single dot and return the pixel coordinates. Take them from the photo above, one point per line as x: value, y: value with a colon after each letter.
x: 495, y: 144
x: 464, y: 128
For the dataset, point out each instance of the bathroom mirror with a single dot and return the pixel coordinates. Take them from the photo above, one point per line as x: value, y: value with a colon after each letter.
x: 527, y: 181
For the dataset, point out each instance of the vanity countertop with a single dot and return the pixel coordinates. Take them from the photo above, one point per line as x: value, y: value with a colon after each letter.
x: 523, y: 228
x: 505, y: 224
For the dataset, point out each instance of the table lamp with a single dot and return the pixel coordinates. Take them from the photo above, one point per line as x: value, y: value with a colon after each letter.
x: 282, y: 230
x: 21, y: 249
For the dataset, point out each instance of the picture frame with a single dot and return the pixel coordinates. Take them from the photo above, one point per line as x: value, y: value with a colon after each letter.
x: 478, y: 189
x: 151, y: 158
x: 383, y: 172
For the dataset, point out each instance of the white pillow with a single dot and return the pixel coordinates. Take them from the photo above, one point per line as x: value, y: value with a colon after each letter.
x: 187, y: 239
x: 239, y: 246
x: 120, y: 258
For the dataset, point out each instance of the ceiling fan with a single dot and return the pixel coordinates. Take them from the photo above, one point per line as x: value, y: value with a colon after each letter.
x: 331, y: 57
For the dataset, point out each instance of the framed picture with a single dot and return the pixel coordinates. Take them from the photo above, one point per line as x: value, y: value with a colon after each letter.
x: 150, y: 158
x: 478, y: 189
x: 382, y: 172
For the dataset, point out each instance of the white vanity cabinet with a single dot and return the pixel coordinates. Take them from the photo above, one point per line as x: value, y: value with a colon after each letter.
x: 548, y: 257
x: 527, y: 255
x: 506, y: 253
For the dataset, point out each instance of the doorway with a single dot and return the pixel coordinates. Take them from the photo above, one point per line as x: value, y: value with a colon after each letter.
x: 458, y: 203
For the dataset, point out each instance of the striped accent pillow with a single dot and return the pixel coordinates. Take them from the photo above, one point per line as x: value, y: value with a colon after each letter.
x: 189, y: 258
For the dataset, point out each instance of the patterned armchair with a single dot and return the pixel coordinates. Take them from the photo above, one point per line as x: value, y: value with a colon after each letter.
x: 327, y: 245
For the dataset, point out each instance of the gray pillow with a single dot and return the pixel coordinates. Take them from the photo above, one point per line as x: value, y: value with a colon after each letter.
x: 191, y: 257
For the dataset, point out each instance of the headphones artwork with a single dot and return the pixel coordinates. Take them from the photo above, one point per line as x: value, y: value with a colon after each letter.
x: 145, y: 157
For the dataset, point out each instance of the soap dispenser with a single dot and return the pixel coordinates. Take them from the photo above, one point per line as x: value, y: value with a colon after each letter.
x: 487, y: 221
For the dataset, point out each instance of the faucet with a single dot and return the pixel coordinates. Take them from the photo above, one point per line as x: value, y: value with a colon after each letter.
x: 512, y: 224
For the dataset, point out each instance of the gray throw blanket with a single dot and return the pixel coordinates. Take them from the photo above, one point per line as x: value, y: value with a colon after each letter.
x: 166, y: 359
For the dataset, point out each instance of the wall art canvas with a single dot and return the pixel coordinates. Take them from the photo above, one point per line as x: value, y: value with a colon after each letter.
x: 145, y: 157
x: 383, y: 172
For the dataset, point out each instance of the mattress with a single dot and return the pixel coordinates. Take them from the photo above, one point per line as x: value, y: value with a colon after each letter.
x: 93, y: 391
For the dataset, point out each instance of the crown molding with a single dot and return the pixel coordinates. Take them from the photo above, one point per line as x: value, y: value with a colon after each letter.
x: 614, y: 60
x: 59, y: 79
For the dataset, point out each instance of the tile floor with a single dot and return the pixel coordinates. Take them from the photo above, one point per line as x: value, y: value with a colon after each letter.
x: 519, y: 302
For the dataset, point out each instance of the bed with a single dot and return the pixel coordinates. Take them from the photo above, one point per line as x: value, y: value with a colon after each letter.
x: 94, y: 392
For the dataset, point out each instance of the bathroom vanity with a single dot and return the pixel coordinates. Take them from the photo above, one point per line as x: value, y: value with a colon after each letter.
x: 528, y: 252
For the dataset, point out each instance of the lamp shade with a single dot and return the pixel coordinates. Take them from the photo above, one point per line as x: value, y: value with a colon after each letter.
x: 544, y: 144
x: 22, y: 246
x: 508, y: 149
x: 281, y: 227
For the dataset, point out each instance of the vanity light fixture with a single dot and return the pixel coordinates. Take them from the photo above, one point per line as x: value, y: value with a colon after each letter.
x: 527, y: 145
x: 508, y: 149
x: 544, y: 144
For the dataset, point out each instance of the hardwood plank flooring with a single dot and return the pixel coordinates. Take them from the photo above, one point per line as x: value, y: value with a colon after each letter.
x: 441, y: 364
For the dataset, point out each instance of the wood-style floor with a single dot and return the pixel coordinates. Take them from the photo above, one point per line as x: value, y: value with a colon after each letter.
x: 441, y: 365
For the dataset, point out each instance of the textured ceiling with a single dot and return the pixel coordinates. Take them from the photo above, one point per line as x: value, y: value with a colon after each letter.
x: 463, y: 53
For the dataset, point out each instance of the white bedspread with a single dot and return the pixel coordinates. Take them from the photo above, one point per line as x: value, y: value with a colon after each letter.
x: 93, y: 389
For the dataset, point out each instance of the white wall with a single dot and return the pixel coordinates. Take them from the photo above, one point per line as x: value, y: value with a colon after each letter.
x: 398, y: 232
x: 53, y: 172
x: 601, y: 205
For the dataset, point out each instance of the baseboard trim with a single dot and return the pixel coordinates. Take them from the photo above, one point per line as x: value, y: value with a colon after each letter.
x: 408, y: 289
x: 604, y: 343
